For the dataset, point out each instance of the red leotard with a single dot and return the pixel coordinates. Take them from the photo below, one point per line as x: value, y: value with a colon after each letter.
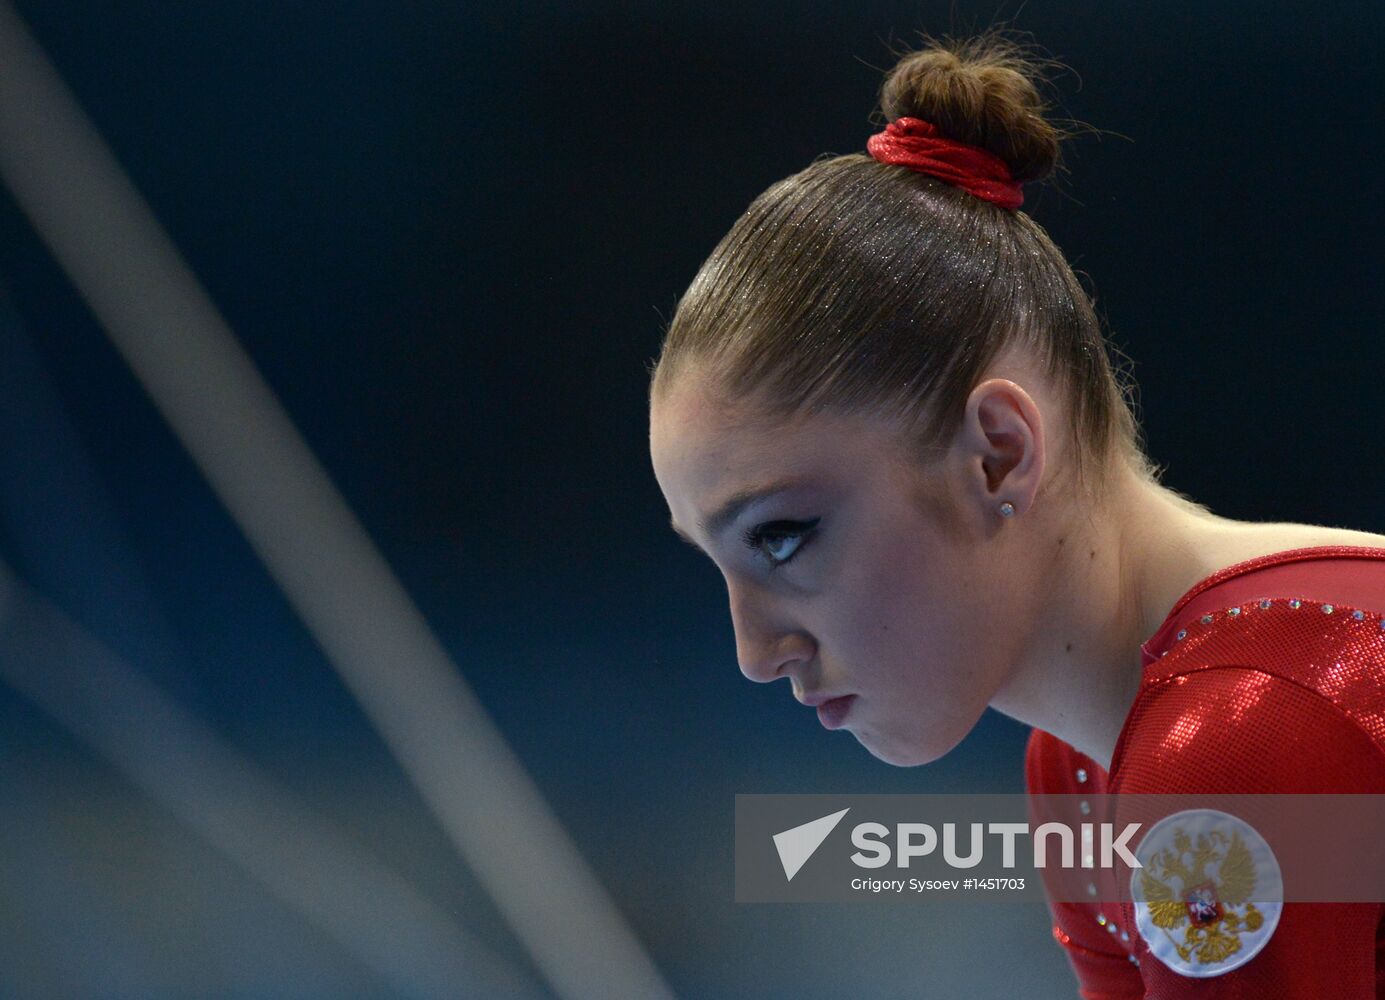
x: 1275, y: 697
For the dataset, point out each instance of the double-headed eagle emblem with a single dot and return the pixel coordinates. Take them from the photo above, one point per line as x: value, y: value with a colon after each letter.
x: 1211, y: 912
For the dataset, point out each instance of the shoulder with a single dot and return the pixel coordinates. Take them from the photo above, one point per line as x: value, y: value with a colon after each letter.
x: 1241, y: 729
x: 1264, y: 693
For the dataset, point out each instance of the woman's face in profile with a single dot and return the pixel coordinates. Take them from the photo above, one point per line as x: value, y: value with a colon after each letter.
x: 854, y: 577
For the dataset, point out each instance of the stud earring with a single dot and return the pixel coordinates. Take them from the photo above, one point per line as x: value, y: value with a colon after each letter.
x: 1007, y: 509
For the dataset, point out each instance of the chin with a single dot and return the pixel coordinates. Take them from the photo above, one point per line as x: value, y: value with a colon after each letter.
x: 905, y: 753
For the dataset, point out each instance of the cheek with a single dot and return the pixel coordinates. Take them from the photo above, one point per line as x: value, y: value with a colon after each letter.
x: 902, y: 620
x: 931, y: 641
x: 919, y: 616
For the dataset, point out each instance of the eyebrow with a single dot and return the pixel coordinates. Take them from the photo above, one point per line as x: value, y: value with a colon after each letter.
x: 716, y: 522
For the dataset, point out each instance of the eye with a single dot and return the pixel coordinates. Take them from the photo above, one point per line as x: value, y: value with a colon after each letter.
x: 779, y: 541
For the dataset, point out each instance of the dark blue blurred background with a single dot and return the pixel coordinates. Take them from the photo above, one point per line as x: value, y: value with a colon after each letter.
x: 449, y: 235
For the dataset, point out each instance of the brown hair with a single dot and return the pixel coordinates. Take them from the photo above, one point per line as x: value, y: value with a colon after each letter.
x: 863, y: 286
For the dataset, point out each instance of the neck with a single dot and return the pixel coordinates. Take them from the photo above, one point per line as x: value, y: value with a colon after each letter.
x: 1120, y: 566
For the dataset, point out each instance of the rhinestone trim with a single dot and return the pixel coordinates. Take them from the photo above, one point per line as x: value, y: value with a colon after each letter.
x: 1265, y: 603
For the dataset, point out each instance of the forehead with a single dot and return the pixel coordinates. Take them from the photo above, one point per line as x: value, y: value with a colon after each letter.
x: 704, y: 447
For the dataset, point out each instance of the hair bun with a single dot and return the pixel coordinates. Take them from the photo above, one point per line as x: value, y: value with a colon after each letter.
x: 983, y: 91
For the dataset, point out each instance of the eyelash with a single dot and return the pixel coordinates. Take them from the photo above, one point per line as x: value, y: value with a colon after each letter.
x: 756, y: 536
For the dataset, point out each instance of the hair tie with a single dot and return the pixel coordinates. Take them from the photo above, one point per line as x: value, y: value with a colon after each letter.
x: 916, y: 144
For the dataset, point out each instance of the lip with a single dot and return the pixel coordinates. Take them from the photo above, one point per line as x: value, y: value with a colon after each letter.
x: 832, y: 712
x: 815, y: 698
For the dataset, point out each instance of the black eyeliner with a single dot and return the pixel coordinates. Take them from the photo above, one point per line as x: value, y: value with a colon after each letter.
x: 753, y: 538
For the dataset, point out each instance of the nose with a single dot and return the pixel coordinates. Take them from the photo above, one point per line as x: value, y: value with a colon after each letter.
x: 765, y: 649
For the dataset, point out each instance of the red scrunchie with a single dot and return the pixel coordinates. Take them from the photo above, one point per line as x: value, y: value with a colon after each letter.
x: 916, y: 144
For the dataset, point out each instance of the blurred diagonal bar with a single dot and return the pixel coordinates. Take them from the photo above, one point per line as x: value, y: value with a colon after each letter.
x: 104, y: 235
x: 370, y: 911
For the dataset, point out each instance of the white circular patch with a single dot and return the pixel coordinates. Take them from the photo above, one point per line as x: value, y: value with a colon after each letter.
x: 1210, y: 892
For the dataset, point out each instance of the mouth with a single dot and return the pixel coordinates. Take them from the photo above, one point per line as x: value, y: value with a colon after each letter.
x: 833, y: 712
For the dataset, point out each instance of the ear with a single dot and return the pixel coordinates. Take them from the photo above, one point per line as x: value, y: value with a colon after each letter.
x: 1002, y: 444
